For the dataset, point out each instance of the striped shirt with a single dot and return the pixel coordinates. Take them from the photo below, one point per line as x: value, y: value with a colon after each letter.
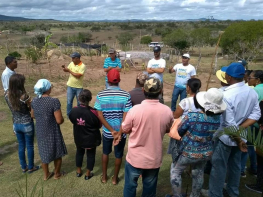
x: 113, y: 102
x: 109, y: 63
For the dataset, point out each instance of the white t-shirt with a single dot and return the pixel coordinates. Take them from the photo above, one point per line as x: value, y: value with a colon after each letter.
x: 188, y: 105
x: 153, y: 63
x: 183, y: 73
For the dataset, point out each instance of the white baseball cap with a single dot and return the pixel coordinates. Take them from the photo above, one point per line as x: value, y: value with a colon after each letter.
x: 212, y: 100
x: 186, y: 55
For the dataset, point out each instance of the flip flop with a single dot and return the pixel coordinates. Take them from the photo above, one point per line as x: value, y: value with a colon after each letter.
x: 101, y: 177
x: 117, y: 181
x: 49, y: 176
x: 24, y: 170
x: 62, y: 174
x: 89, y: 177
x: 33, y: 170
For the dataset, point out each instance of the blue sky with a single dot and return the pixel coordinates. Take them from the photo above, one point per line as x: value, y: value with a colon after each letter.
x: 134, y: 9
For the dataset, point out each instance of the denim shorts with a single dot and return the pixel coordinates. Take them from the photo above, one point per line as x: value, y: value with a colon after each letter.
x: 118, y: 150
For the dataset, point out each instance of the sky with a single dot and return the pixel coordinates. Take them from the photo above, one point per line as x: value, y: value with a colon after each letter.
x: 88, y: 10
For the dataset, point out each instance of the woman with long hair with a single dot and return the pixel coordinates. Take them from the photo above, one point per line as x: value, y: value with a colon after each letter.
x: 46, y: 110
x: 186, y: 105
x: 19, y: 103
x: 86, y: 128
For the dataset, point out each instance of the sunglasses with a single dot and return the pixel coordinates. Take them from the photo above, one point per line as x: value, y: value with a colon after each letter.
x: 184, y: 57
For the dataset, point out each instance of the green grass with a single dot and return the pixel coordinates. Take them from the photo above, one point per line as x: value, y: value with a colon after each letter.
x: 11, y: 175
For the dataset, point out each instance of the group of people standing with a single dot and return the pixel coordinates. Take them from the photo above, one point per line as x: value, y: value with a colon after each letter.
x: 142, y: 115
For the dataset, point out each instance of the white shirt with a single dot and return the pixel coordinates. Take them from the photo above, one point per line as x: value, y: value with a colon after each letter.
x: 160, y: 63
x: 188, y: 105
x: 242, y: 104
x: 6, y: 76
x: 183, y: 74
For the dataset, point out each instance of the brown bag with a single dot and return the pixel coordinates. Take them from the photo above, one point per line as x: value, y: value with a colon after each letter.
x: 174, y: 129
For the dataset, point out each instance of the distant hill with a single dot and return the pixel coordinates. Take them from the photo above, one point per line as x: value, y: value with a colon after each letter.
x: 13, y: 18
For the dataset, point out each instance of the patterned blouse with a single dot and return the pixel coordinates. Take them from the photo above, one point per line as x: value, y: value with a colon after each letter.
x: 197, y: 141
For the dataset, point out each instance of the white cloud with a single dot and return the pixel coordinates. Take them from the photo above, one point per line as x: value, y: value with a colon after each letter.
x: 135, y: 9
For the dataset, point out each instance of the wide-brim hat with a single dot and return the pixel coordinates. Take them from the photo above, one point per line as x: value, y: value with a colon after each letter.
x: 221, y: 76
x: 212, y: 100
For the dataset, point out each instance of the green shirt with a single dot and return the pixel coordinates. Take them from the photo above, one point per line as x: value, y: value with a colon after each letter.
x: 259, y: 90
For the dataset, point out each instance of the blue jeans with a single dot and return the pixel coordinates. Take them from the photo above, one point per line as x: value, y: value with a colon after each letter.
x: 251, y: 153
x: 25, y: 138
x: 149, y: 180
x: 225, y: 158
x: 176, y: 92
x: 71, y: 93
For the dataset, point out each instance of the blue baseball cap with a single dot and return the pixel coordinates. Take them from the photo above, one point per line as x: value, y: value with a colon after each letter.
x: 75, y: 54
x: 236, y: 70
x: 243, y: 62
x: 224, y: 68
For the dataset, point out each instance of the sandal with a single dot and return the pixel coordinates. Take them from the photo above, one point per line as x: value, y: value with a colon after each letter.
x: 117, y: 181
x: 101, y: 177
x: 49, y: 176
x: 78, y: 174
x: 24, y: 170
x: 89, y: 177
x: 62, y: 174
x: 33, y: 170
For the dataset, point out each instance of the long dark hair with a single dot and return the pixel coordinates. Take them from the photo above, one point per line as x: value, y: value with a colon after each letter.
x: 15, y: 90
x: 258, y: 74
x: 194, y: 84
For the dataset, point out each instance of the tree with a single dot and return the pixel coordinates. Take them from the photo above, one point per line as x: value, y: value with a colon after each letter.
x: 146, y: 40
x: 243, y: 39
x: 177, y: 39
x: 199, y: 38
x: 125, y: 38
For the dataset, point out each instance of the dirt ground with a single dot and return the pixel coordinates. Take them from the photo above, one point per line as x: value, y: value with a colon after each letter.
x: 93, y: 78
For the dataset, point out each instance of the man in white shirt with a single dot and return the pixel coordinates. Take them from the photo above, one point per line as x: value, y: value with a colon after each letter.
x: 184, y: 71
x: 11, y: 65
x: 156, y: 67
x: 242, y: 110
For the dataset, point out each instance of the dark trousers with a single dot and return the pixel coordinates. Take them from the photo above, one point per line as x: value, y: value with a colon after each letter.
x: 260, y: 171
x: 90, y: 157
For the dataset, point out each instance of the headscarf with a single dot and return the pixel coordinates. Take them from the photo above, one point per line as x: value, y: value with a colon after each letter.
x: 42, y: 86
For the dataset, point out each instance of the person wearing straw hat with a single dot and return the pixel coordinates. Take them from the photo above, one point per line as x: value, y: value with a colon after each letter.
x: 196, y: 146
x: 111, y: 62
x: 242, y: 110
x: 221, y: 75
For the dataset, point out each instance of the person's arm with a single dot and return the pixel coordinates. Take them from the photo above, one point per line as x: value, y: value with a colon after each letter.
x: 193, y: 76
x: 127, y: 123
x: 193, y: 73
x: 32, y: 113
x: 118, y: 67
x: 107, y: 69
x: 106, y: 124
x: 178, y: 112
x: 157, y: 70
x: 172, y: 69
x: 150, y: 71
x: 58, y: 116
x: 184, y: 126
x: 77, y: 75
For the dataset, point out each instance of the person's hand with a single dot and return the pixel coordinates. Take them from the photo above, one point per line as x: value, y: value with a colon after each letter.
x: 116, y: 141
x: 116, y: 137
x: 242, y: 146
x: 261, y: 127
x: 65, y: 69
x: 170, y: 70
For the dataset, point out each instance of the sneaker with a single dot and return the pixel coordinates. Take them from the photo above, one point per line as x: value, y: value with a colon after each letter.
x: 243, y: 175
x: 225, y: 194
x: 254, y: 188
x: 205, y: 193
x: 253, y: 172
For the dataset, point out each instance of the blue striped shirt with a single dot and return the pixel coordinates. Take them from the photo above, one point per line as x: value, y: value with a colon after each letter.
x: 109, y: 63
x: 113, y: 102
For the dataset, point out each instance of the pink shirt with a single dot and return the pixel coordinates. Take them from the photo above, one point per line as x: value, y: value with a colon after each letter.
x: 148, y: 123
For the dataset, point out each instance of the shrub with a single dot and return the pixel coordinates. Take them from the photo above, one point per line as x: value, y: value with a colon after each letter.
x: 15, y: 54
x: 33, y: 53
x: 146, y: 40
